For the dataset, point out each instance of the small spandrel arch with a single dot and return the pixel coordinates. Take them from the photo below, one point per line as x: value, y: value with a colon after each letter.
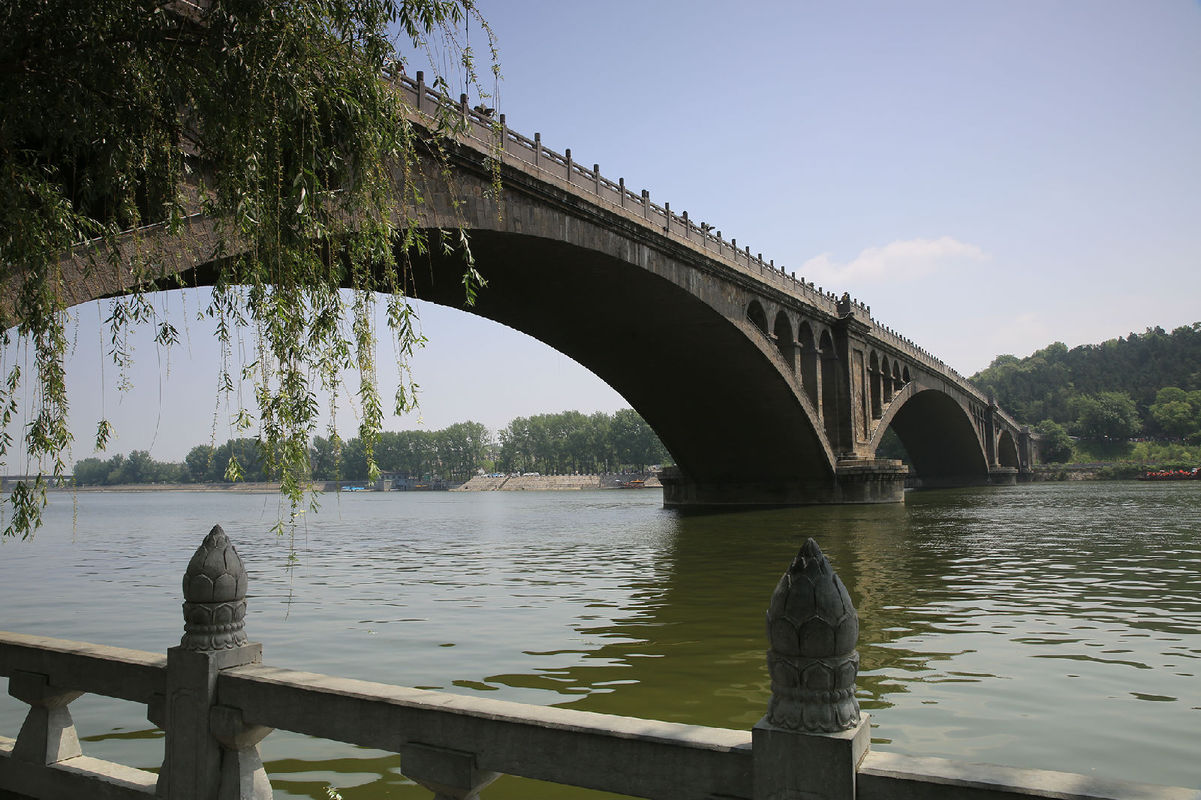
x: 829, y: 373
x: 875, y: 384
x: 1007, y: 451
x: 809, y: 361
x: 784, y: 341
x: 757, y: 316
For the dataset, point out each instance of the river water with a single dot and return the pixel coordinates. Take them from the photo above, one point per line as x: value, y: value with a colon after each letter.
x: 1055, y: 626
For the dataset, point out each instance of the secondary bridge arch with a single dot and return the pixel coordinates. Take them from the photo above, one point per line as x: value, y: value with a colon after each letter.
x: 765, y: 388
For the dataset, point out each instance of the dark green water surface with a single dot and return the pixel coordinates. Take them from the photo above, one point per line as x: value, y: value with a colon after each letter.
x: 1051, y: 625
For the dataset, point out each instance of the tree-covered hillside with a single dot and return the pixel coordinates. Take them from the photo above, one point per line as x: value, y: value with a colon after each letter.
x: 1148, y: 383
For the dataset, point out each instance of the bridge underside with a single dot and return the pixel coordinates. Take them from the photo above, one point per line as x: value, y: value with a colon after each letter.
x: 720, y: 407
x: 942, y: 445
x: 735, y: 426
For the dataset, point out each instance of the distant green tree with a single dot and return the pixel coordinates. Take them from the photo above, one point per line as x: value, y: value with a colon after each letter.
x: 198, y: 464
x: 91, y: 472
x: 136, y: 468
x: 460, y: 449
x: 239, y: 460
x: 326, y: 458
x: 1177, y: 412
x: 572, y: 442
x: 1056, y: 444
x: 1105, y: 415
x: 635, y: 441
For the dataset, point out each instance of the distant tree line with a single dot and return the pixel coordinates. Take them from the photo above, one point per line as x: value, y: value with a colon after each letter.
x: 549, y: 443
x: 572, y: 442
x: 453, y: 453
x: 1145, y: 384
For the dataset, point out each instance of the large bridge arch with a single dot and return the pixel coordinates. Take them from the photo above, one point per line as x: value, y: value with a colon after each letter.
x: 717, y: 390
x: 939, y: 435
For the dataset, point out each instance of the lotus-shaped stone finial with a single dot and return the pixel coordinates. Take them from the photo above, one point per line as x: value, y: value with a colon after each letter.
x: 812, y: 629
x: 214, y: 590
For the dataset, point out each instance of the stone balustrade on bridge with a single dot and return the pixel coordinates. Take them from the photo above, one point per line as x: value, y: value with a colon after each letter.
x: 491, y: 135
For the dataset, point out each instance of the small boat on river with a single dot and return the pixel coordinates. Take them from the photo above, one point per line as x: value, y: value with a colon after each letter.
x: 1173, y: 475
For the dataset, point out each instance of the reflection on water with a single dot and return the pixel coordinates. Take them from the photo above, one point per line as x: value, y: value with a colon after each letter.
x: 1052, y: 626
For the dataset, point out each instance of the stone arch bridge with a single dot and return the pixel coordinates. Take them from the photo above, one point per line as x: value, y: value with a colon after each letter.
x: 764, y: 388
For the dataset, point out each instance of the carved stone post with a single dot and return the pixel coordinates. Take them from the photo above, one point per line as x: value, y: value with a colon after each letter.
x: 813, y: 737
x: 210, y: 753
x: 48, y: 734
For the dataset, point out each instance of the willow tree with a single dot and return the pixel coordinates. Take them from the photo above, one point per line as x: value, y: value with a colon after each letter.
x: 277, y: 123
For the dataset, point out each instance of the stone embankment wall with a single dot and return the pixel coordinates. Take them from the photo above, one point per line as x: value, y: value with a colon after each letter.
x: 544, y: 483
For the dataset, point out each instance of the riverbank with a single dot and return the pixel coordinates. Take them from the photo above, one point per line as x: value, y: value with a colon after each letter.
x: 1118, y: 471
x: 480, y: 483
x: 553, y: 483
x: 250, y: 487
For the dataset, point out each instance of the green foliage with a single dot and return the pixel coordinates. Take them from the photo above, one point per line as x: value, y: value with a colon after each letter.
x: 1050, y: 383
x: 453, y: 453
x: 1056, y: 445
x: 1144, y: 454
x: 1166, y: 455
x: 571, y: 442
x: 137, y: 467
x: 564, y: 443
x: 1105, y: 415
x: 1177, y: 412
x: 270, y: 119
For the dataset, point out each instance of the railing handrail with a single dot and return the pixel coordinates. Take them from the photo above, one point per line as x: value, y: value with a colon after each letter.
x: 134, y: 675
x: 660, y: 758
x: 482, y: 130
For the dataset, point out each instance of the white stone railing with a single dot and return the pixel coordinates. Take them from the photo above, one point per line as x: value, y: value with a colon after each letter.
x: 215, y: 701
x: 491, y: 136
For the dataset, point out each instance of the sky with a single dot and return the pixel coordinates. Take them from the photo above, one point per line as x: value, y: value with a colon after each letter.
x: 989, y: 177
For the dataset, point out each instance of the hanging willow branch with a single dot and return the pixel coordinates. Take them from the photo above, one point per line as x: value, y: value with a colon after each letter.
x: 274, y: 122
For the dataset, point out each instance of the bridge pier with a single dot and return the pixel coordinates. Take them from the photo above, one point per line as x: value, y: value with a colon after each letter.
x: 855, y: 481
x: 1003, y: 476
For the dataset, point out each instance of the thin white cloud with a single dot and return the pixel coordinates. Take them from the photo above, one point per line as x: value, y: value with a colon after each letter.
x: 897, y: 262
x: 1020, y: 335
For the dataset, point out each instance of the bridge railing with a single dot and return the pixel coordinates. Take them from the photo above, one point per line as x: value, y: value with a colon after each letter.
x: 491, y: 135
x: 215, y: 701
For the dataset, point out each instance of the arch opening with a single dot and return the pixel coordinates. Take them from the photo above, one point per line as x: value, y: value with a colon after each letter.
x: 1007, y: 450
x: 809, y: 363
x: 757, y: 316
x: 940, y: 440
x: 635, y: 329
x: 829, y: 381
x: 877, y: 385
x: 784, y: 341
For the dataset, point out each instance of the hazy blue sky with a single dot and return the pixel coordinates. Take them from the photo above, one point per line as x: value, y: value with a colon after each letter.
x: 988, y: 176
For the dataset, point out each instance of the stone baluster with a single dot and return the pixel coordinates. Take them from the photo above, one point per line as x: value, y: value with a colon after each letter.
x: 813, y: 736
x: 48, y: 734
x: 210, y: 752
